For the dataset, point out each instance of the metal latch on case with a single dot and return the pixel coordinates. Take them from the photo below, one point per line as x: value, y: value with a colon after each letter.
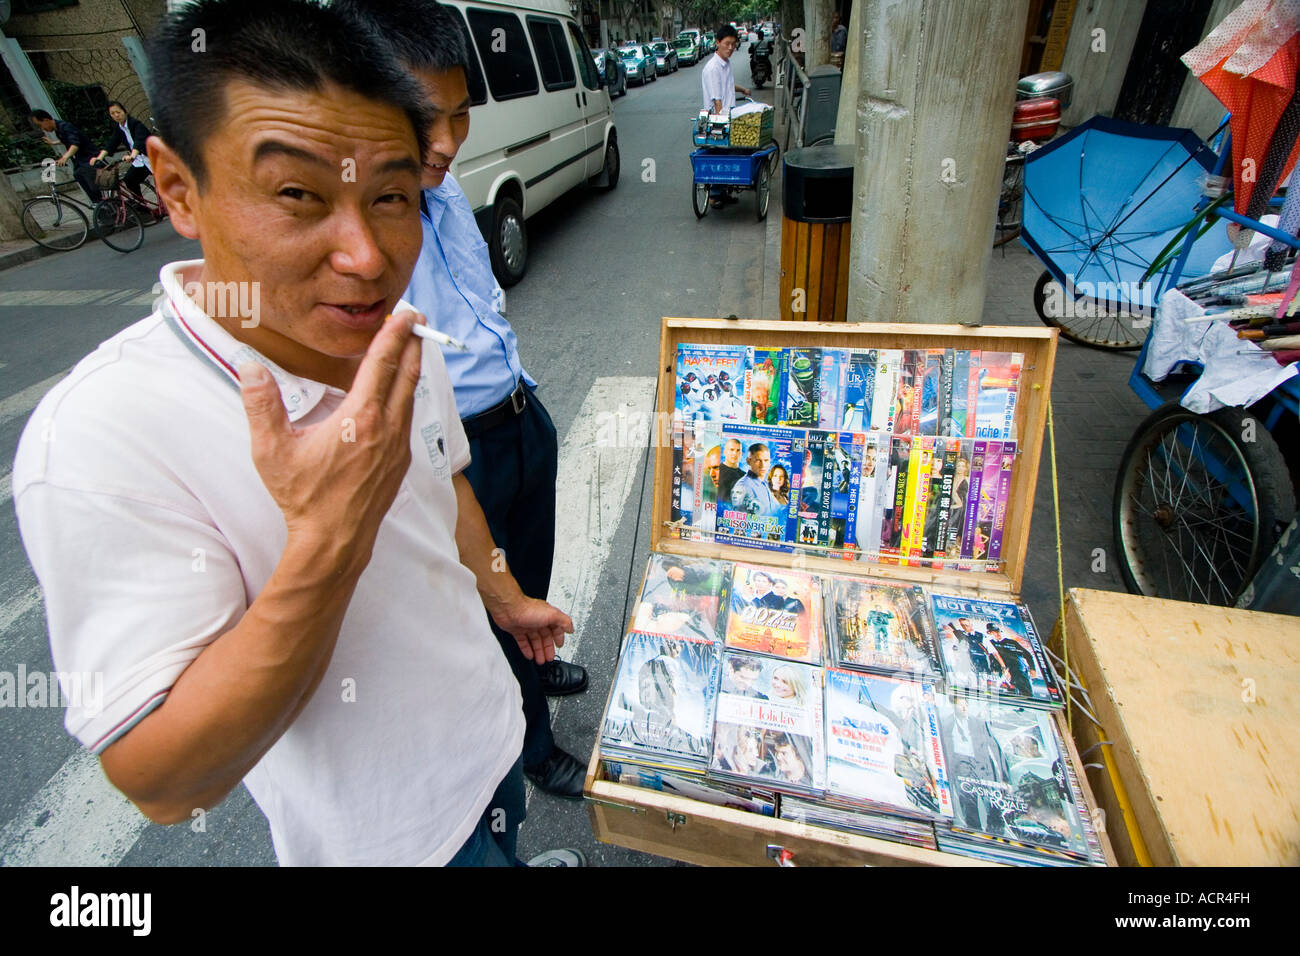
x: 675, y: 819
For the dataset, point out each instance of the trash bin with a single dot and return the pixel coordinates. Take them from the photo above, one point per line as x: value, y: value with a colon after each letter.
x: 817, y: 204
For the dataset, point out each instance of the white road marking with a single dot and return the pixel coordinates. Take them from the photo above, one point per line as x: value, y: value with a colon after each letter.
x: 77, y: 819
x: 13, y: 609
x: 21, y: 403
x: 6, y: 487
x: 594, y: 485
x: 62, y: 298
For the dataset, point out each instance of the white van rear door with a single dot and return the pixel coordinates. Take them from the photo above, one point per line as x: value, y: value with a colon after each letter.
x: 596, y: 108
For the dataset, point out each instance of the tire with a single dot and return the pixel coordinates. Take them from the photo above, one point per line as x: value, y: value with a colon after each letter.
x: 1011, y: 200
x: 509, y: 246
x: 762, y: 192
x: 150, y: 195
x: 60, y: 226
x: 119, y: 225
x: 612, y: 167
x: 1107, y: 326
x: 1197, y: 506
x: 700, y: 199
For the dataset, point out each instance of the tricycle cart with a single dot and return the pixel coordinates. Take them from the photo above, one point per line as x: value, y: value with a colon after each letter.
x: 737, y: 169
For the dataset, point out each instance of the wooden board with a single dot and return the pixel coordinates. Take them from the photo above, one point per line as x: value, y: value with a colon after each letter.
x: 1039, y: 348
x: 1202, y: 705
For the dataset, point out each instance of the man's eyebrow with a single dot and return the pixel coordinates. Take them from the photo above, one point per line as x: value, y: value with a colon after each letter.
x: 462, y: 105
x: 273, y: 147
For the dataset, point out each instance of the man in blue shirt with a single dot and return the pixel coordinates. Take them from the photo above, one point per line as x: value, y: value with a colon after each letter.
x: 752, y: 494
x: 513, y: 445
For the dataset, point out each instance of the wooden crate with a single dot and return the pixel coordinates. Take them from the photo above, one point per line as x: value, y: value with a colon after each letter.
x: 678, y: 828
x: 1201, y: 705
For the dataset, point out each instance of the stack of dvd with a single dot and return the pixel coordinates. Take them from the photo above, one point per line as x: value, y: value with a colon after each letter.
x: 775, y: 611
x: 990, y: 648
x: 683, y: 597
x: 896, y: 456
x: 769, y: 730
x: 749, y: 799
x: 1014, y: 800
x: 660, y: 711
x: 880, y: 628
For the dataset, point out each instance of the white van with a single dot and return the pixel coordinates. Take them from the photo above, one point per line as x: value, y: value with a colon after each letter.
x: 541, y: 122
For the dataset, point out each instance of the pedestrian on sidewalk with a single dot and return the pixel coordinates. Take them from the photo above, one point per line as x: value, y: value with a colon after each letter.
x: 514, y: 449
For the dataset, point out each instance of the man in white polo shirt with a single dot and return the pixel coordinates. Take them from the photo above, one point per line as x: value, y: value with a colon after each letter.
x: 246, y: 510
x: 719, y: 87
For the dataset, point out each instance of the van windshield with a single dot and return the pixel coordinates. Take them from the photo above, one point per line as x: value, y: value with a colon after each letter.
x: 629, y: 53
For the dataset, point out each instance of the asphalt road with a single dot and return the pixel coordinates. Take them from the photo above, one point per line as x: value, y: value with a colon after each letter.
x: 603, y: 269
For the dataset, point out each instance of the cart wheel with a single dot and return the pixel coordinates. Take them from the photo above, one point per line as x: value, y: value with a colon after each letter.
x: 1109, y: 326
x: 700, y: 199
x: 761, y: 192
x: 1011, y: 201
x: 773, y: 160
x: 1199, y: 501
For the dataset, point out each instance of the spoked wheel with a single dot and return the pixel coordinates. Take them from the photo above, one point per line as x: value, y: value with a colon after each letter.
x: 1098, y: 324
x: 119, y: 225
x: 762, y: 191
x: 700, y: 199
x: 55, y: 225
x: 1011, y: 202
x: 1199, y: 501
x: 150, y: 195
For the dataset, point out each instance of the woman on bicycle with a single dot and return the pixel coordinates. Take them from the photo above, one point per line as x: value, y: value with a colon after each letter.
x: 129, y: 133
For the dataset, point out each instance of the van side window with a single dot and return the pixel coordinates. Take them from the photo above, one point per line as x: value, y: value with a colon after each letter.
x: 503, y: 47
x: 474, y: 75
x: 552, y: 53
x: 586, y: 65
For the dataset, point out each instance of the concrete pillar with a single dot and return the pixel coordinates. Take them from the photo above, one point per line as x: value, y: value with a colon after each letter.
x: 11, y: 209
x: 846, y: 127
x: 1197, y: 107
x: 1097, y: 55
x: 817, y: 32
x: 935, y: 92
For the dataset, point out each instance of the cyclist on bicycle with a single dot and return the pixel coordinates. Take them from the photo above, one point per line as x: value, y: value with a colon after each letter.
x: 128, y: 133
x: 77, y: 148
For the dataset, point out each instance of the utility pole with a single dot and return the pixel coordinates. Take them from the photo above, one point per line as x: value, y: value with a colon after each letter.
x: 935, y: 90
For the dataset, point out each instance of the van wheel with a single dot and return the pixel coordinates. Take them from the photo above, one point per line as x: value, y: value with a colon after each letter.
x: 509, y: 245
x: 611, y: 170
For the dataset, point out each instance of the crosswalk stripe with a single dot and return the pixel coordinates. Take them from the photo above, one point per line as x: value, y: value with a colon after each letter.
x: 63, y: 298
x: 21, y: 403
x: 77, y: 819
x: 13, y: 609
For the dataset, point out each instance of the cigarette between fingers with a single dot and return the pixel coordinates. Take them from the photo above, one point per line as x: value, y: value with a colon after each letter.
x: 435, y: 336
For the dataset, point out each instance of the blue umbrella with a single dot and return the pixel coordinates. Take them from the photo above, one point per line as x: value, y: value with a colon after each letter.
x: 1102, y: 202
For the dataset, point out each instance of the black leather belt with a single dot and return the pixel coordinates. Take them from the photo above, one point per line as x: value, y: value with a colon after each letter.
x: 509, y: 409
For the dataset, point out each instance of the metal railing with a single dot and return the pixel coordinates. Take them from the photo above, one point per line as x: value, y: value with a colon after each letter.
x: 791, y: 82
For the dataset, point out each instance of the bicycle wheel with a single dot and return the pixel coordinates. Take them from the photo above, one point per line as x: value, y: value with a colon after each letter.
x: 153, y: 210
x: 1011, y: 201
x: 119, y: 225
x: 700, y: 199
x: 55, y: 224
x: 1098, y: 324
x: 1199, y: 501
x: 762, y: 190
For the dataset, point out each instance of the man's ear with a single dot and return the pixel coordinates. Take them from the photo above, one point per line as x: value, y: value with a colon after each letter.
x: 176, y: 186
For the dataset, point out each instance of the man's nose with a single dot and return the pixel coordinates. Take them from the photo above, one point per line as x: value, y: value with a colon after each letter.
x: 356, y: 250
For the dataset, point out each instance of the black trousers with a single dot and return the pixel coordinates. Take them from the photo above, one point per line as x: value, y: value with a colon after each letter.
x: 513, y: 475
x: 85, y: 175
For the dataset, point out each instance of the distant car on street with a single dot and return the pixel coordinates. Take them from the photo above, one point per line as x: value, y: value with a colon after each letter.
x: 710, y: 42
x: 688, y: 53
x: 665, y: 57
x: 610, y: 66
x: 639, y: 61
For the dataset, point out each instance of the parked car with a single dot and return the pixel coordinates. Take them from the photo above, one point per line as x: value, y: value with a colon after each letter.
x: 612, y: 71
x: 696, y: 37
x: 640, y: 63
x: 688, y: 54
x: 710, y: 42
x: 541, y: 120
x: 665, y: 57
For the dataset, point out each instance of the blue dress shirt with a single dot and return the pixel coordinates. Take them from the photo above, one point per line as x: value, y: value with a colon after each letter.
x: 453, y: 286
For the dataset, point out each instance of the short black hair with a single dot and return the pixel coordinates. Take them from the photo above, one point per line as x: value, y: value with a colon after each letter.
x: 724, y: 31
x: 118, y: 104
x: 424, y: 34
x: 200, y: 47
x: 40, y: 115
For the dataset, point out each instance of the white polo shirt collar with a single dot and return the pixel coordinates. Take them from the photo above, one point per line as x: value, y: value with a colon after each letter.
x: 216, y: 347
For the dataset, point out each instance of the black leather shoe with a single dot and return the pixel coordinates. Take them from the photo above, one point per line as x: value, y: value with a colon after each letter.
x: 560, y: 678
x: 560, y: 775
